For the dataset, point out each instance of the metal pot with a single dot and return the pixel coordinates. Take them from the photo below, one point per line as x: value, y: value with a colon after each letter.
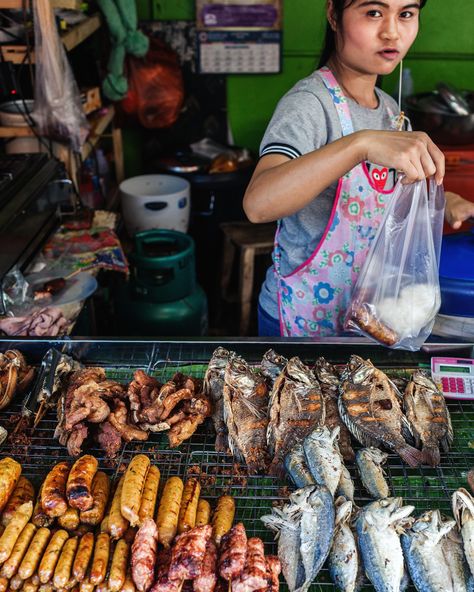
x: 428, y: 113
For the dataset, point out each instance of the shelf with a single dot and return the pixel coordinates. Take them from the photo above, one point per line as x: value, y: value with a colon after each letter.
x: 18, y: 4
x: 71, y: 38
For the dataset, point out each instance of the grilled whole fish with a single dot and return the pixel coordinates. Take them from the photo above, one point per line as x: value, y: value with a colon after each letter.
x: 454, y: 555
x: 323, y: 457
x: 343, y: 559
x: 272, y: 365
x: 369, y: 462
x: 245, y: 398
x: 379, y: 543
x: 213, y: 387
x: 463, y: 512
x: 426, y: 410
x: 310, y: 513
x: 423, y: 552
x: 329, y: 380
x: 369, y: 406
x: 296, y: 407
x: 296, y: 467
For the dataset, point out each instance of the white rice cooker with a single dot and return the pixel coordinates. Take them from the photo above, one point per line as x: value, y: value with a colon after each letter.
x: 155, y: 201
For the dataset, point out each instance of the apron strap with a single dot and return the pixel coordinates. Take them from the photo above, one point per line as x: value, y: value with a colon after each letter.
x: 339, y: 100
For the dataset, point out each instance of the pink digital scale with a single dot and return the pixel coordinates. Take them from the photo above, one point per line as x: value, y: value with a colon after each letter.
x: 454, y: 377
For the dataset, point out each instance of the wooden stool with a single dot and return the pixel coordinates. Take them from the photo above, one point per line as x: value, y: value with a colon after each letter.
x: 252, y: 240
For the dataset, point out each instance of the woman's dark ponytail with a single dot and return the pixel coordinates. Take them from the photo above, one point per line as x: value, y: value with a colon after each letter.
x: 329, y: 45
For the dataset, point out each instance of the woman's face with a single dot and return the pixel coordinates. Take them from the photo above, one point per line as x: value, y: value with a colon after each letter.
x: 376, y: 35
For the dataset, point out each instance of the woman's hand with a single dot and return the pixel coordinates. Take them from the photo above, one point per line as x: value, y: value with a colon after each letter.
x: 412, y: 153
x: 458, y: 210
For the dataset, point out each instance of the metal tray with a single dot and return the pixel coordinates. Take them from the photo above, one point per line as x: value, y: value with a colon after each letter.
x: 424, y: 487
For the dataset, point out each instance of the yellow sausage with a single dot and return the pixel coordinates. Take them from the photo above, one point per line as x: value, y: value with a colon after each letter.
x: 223, y: 517
x: 100, y: 493
x: 70, y: 519
x: 53, y: 493
x: 118, y: 569
x: 86, y: 586
x: 3, y: 584
x: 100, y: 559
x: 31, y: 584
x: 203, y: 513
x: 116, y: 522
x: 62, y: 573
x: 83, y: 556
x: 13, y: 530
x: 16, y: 582
x: 102, y: 587
x: 33, y: 555
x: 168, y: 510
x: 48, y: 587
x: 10, y: 472
x: 51, y: 556
x: 149, y: 495
x: 129, y: 585
x: 104, y: 525
x: 39, y: 518
x: 11, y: 565
x: 23, y: 492
x: 79, y: 482
x: 189, y: 503
x: 133, y: 484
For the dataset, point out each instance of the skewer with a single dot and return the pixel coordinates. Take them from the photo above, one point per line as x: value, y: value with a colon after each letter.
x: 230, y: 586
x: 180, y: 587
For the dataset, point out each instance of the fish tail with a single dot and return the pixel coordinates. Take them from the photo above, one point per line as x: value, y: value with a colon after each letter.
x: 410, y: 455
x: 276, y: 468
x: 431, y: 456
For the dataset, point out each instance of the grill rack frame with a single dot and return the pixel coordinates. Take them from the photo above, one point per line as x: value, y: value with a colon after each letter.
x: 423, y: 487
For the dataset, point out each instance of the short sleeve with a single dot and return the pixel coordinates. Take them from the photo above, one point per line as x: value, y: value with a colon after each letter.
x: 298, y: 126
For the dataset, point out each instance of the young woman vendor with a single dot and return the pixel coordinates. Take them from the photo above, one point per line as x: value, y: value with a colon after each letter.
x: 329, y: 162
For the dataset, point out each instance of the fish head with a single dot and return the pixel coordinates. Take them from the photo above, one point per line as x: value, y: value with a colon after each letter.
x: 219, y: 358
x: 326, y: 372
x: 271, y: 357
x: 343, y: 509
x: 386, y: 512
x: 299, y: 372
x: 463, y: 506
x: 432, y: 527
x: 374, y: 454
x: 421, y: 379
x: 358, y: 370
x: 239, y: 374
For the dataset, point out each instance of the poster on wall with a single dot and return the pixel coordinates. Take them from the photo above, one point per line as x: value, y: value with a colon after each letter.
x: 239, y: 36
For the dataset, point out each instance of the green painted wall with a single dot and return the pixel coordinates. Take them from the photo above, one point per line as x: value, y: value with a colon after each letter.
x: 444, y: 50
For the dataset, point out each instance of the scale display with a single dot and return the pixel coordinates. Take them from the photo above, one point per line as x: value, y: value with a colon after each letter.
x: 454, y: 377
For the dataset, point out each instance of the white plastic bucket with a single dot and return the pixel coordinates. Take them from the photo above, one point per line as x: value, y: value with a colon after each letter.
x: 155, y: 201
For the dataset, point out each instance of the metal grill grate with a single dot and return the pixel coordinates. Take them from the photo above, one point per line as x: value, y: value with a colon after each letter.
x: 424, y: 487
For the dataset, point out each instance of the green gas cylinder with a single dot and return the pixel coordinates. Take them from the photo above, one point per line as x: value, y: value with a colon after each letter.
x: 162, y: 296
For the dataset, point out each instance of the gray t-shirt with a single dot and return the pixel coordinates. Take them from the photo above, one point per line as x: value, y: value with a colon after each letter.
x: 304, y: 120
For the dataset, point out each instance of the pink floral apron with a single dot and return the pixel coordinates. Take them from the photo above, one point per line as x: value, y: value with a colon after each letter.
x: 313, y: 298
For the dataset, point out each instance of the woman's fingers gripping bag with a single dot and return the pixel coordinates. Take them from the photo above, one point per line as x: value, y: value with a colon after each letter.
x: 397, y: 294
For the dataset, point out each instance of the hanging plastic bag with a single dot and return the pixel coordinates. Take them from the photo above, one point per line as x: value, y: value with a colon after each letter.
x: 397, y: 294
x: 156, y: 88
x: 58, y: 109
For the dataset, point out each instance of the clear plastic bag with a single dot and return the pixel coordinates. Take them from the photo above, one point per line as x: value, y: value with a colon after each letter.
x: 397, y: 294
x: 58, y: 110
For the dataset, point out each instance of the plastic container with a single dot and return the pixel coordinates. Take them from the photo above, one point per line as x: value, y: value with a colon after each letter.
x: 155, y: 201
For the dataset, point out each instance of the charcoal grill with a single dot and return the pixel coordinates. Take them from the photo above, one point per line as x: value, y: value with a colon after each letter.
x: 423, y: 487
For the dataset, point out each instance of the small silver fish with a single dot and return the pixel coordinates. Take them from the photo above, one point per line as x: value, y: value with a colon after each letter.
x: 296, y: 467
x: 454, y: 555
x: 379, y: 542
x: 213, y: 386
x: 369, y: 462
x: 343, y: 560
x: 423, y: 552
x: 323, y: 457
x: 463, y: 512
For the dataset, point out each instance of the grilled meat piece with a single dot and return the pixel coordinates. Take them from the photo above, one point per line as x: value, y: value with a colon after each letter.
x: 194, y: 413
x: 213, y: 388
x: 119, y: 420
x: 162, y: 581
x: 144, y: 555
x: 426, y: 410
x: 329, y: 381
x: 233, y: 552
x: 86, y: 405
x: 172, y: 400
x: 245, y: 413
x: 142, y: 393
x: 296, y: 407
x: 188, y: 553
x: 206, y: 581
x: 254, y: 574
x: 75, y: 438
x: 369, y: 406
x: 110, y: 389
x: 109, y: 439
x: 274, y: 569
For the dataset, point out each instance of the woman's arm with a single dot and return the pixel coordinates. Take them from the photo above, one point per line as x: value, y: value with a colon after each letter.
x: 457, y: 210
x: 280, y: 186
